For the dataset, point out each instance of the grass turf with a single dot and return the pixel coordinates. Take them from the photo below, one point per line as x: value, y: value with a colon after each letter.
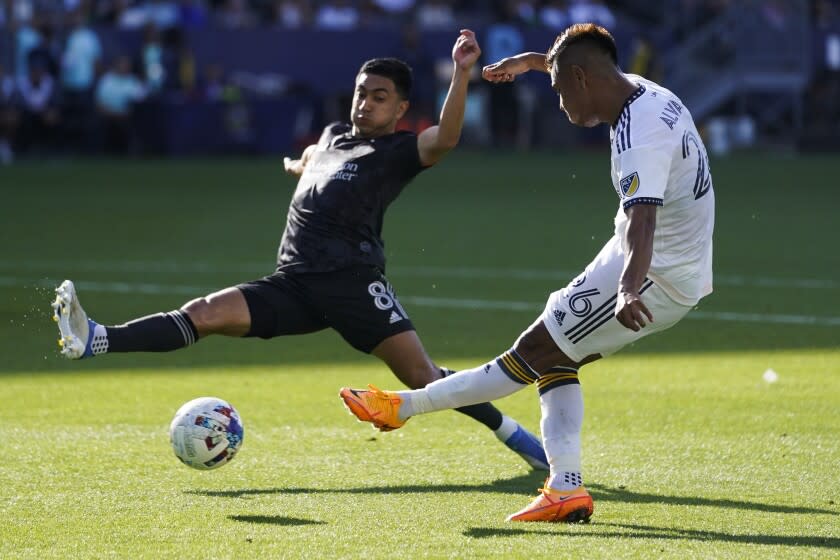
x: 687, y: 450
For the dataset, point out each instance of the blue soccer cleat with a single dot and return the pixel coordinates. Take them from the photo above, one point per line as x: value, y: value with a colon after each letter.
x: 78, y: 333
x: 529, y: 447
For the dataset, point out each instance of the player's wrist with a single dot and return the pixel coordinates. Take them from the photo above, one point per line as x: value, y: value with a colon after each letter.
x: 628, y: 294
x: 461, y: 69
x: 531, y: 60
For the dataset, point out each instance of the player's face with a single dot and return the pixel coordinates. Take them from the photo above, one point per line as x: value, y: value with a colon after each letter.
x: 376, y: 106
x: 575, y: 100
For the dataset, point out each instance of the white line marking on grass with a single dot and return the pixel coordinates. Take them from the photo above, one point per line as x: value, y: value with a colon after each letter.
x: 263, y: 268
x: 422, y: 301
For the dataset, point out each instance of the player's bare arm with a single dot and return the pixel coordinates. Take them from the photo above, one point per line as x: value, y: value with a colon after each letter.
x: 631, y: 310
x: 296, y: 166
x: 507, y: 69
x: 435, y: 141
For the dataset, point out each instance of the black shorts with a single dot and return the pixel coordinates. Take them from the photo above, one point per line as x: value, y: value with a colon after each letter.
x: 357, y: 302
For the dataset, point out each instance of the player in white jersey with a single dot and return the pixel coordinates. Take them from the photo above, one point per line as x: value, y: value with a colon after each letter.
x: 645, y: 279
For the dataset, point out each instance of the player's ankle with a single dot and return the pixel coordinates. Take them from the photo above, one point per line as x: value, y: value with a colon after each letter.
x: 507, y: 428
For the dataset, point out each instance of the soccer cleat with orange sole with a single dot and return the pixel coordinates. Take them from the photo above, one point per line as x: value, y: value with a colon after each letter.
x: 378, y: 407
x: 573, y: 506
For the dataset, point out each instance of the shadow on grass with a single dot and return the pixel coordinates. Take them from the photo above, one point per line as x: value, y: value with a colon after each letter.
x: 274, y: 520
x: 518, y: 485
x: 622, y: 531
x: 524, y: 484
x: 607, y: 494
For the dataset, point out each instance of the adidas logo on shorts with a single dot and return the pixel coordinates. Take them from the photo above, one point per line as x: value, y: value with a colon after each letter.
x: 394, y: 317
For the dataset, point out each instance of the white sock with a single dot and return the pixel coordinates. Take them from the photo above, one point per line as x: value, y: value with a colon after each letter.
x: 99, y: 345
x: 507, y: 428
x: 562, y: 418
x: 489, y: 382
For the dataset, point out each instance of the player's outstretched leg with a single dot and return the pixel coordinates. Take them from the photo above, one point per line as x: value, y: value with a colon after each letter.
x: 507, y: 374
x: 80, y: 336
x: 405, y: 355
x: 382, y: 409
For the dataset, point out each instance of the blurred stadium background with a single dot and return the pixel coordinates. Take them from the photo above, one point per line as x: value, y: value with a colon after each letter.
x: 212, y: 77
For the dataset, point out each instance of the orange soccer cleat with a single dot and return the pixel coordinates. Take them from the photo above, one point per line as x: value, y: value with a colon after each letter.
x: 378, y: 407
x: 571, y: 506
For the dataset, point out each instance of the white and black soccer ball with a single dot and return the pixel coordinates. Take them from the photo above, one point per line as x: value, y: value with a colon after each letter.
x: 206, y: 433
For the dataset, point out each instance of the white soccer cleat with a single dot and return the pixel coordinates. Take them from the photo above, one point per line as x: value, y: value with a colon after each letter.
x: 73, y: 323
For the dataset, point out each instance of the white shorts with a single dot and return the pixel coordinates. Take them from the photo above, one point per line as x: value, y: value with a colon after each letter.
x: 581, y: 316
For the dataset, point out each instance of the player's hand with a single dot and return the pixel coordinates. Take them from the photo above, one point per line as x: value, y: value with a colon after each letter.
x: 466, y: 51
x: 632, y: 311
x: 504, y: 70
x: 296, y: 166
x: 293, y: 166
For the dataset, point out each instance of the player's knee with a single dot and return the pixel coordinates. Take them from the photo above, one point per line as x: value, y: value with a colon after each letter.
x: 202, y: 314
x: 539, y: 350
x: 531, y: 346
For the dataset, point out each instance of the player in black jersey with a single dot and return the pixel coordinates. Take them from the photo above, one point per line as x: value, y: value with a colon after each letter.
x: 331, y: 262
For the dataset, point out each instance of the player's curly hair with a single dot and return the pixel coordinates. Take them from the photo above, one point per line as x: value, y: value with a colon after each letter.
x: 394, y: 69
x: 588, y: 34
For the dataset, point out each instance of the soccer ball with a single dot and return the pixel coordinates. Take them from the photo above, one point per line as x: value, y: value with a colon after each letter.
x: 206, y: 433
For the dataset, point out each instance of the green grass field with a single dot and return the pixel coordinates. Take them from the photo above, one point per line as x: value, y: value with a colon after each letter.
x: 688, y: 452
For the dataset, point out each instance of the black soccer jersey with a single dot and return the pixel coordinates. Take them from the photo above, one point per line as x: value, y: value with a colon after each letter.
x: 335, y: 217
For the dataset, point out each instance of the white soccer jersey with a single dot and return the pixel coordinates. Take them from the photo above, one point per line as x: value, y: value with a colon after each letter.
x: 658, y: 158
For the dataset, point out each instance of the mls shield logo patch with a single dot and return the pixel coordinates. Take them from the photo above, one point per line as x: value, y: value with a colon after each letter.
x: 629, y: 185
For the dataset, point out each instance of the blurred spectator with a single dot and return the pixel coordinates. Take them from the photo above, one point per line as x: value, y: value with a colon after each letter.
x: 8, y: 117
x: 81, y: 57
x: 151, y: 59
x: 180, y: 60
x: 435, y: 14
x: 48, y: 51
x: 392, y: 11
x: 644, y: 60
x: 163, y: 14
x: 79, y: 70
x: 395, y: 7
x: 37, y: 98
x: 21, y: 11
x: 26, y: 39
x: 554, y: 15
x: 117, y: 92
x: 236, y: 14
x: 591, y: 11
x: 823, y: 99
x: 292, y: 14
x: 424, y: 89
x: 337, y: 15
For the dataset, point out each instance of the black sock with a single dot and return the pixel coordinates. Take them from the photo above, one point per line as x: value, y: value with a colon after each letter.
x: 156, y: 333
x: 485, y: 413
